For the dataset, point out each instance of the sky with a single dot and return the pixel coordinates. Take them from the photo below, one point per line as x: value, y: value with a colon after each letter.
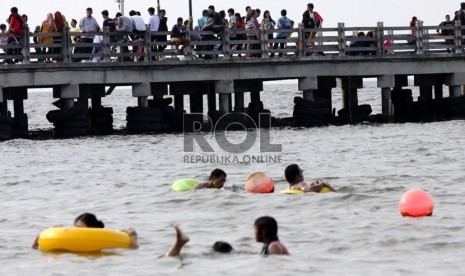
x: 360, y: 13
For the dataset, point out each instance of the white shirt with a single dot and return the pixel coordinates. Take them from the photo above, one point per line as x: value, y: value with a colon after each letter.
x: 154, y: 22
x: 138, y: 23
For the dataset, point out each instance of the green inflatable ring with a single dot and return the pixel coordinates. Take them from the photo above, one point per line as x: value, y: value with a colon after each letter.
x: 184, y: 184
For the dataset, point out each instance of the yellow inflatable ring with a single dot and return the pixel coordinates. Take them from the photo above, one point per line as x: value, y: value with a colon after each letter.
x: 292, y: 192
x: 79, y: 239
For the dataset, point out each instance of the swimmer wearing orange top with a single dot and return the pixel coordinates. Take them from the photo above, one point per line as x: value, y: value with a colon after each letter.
x: 216, y: 180
x: 295, y: 178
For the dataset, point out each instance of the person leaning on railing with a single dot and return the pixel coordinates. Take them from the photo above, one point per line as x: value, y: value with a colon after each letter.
x: 178, y: 36
x: 17, y: 29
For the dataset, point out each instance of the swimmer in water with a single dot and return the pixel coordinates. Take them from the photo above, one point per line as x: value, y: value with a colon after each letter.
x: 89, y: 220
x: 266, y: 232
x: 216, y: 180
x: 182, y: 239
x: 295, y: 178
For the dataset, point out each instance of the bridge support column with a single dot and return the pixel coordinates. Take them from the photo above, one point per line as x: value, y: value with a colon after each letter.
x: 179, y: 103
x: 438, y: 91
x: 211, y: 98
x: 224, y: 88
x: 196, y: 103
x: 67, y: 93
x: 309, y: 86
x: 142, y: 91
x: 455, y: 82
x: 18, y: 95
x: 426, y: 83
x: 349, y: 91
x: 239, y: 102
x: 386, y: 82
x: 3, y: 104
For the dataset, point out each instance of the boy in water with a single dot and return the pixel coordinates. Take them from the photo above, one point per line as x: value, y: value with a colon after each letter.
x: 216, y: 180
x: 295, y: 178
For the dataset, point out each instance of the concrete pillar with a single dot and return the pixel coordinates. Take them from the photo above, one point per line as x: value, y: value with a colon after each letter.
x: 309, y: 86
x: 349, y: 91
x: 3, y: 104
x: 225, y: 88
x: 255, y: 96
x: 158, y: 90
x: 455, y: 91
x: 225, y: 103
x: 196, y: 103
x: 18, y: 95
x: 386, y: 103
x: 142, y: 91
x: 385, y: 82
x: 211, y: 98
x: 455, y: 82
x: 239, y: 102
x: 179, y: 103
x: 426, y: 93
x: 309, y: 95
x: 68, y: 93
x: 438, y: 91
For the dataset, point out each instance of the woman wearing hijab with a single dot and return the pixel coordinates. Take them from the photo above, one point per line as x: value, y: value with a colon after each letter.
x: 48, y: 26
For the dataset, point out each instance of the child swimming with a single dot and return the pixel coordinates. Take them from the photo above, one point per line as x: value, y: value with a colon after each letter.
x: 295, y: 178
x: 216, y: 180
x: 266, y: 231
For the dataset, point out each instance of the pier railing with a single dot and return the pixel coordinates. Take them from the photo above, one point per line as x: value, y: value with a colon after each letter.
x: 106, y: 46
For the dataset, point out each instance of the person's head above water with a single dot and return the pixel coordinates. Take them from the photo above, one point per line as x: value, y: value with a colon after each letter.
x: 88, y: 220
x: 266, y: 229
x: 293, y: 174
x: 217, y: 178
x: 222, y: 247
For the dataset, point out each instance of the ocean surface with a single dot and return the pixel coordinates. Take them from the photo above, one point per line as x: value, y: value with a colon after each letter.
x: 125, y: 180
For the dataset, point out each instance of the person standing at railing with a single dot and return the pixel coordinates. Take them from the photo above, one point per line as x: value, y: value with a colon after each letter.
x: 447, y: 32
x: 232, y: 24
x: 249, y: 26
x: 74, y: 29
x: 61, y: 23
x: 88, y: 26
x: 17, y: 29
x: 413, y: 35
x: 240, y: 27
x: 110, y: 24
x: 311, y: 20
x: 163, y: 27
x: 460, y: 16
x: 3, y: 39
x: 154, y: 24
x: 284, y: 23
x: 125, y: 26
x: 268, y: 23
x: 48, y: 26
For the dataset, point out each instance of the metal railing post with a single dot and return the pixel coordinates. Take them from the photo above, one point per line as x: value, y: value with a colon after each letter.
x: 380, y: 38
x: 226, y: 43
x: 300, y: 40
x: 341, y: 41
x: 106, y: 44
x: 458, y: 37
x: 25, y: 50
x: 65, y: 49
x: 148, y: 45
x: 419, y: 37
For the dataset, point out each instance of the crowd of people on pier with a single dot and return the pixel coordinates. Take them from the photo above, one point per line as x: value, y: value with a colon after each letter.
x: 133, y: 28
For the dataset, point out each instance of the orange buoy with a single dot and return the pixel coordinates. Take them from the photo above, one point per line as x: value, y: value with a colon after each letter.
x: 259, y: 183
x: 416, y: 203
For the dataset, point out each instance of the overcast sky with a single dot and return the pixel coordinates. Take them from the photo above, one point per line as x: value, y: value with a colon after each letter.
x: 351, y: 12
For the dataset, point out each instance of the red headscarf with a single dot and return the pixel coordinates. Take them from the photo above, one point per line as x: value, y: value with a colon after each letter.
x: 59, y: 21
